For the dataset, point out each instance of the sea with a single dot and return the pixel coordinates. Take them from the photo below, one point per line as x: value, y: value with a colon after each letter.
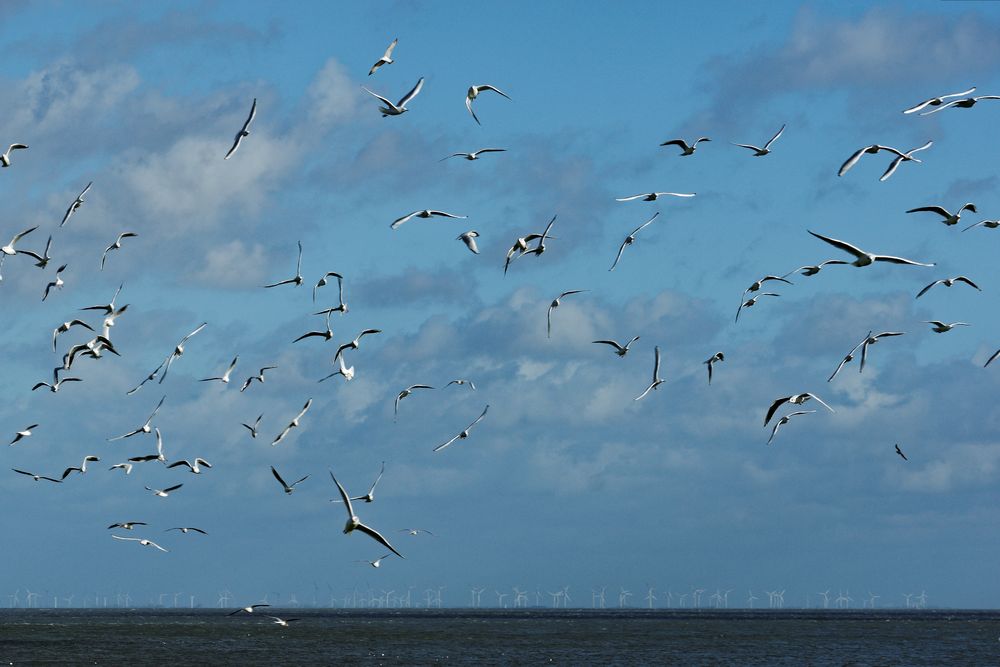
x: 500, y: 637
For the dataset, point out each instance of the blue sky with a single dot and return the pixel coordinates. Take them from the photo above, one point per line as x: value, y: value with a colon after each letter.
x: 567, y: 481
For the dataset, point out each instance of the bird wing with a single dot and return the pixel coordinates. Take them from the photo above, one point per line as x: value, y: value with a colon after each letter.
x: 656, y: 363
x: 468, y: 105
x: 963, y: 279
x: 413, y: 93
x: 677, y: 142
x: 750, y: 146
x: 278, y: 477
x: 941, y: 108
x: 774, y: 138
x: 24, y: 233
x: 851, y: 161
x: 376, y: 95
x: 374, y: 534
x: 898, y: 260
x: 612, y: 343
x: 648, y: 222
x: 446, y: 215
x: 172, y: 488
x: 398, y: 221
x: 820, y: 401
x: 621, y: 249
x: 440, y: 447
x: 343, y: 496
x: 990, y: 360
x: 921, y: 148
x: 253, y: 114
x: 846, y: 247
x: 643, y: 394
x: 774, y: 407
x: 924, y: 290
x: 631, y: 198
x: 891, y: 169
x: 494, y: 89
x: 283, y: 282
x: 931, y: 209
x: 375, y: 483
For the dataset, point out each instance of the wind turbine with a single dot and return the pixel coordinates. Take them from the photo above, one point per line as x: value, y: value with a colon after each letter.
x: 650, y: 598
x: 826, y: 598
x: 751, y: 598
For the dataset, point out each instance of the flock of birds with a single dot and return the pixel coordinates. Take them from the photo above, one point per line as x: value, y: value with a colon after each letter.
x: 532, y: 244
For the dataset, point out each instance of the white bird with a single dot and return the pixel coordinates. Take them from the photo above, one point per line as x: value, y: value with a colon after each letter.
x: 57, y: 283
x: 948, y: 282
x: 863, y: 258
x: 283, y: 622
x: 475, y: 154
x: 556, y: 302
x: 37, y: 477
x: 194, y: 468
x: 117, y: 245
x: 326, y: 334
x: 540, y: 245
x: 127, y: 467
x: 297, y: 280
x: 474, y: 92
x: 757, y: 284
x: 370, y: 496
x: 348, y: 373
x: 179, y: 351
x: 9, y: 248
x: 249, y: 609
x: 784, y: 420
x: 686, y: 148
x: 415, y: 531
x: 340, y: 283
x: 356, y: 343
x: 630, y: 239
x: 163, y: 493
x: 244, y: 131
x: 905, y: 157
x: 224, y: 378
x: 41, y: 261
x: 354, y: 523
x: 158, y: 456
x: 966, y: 103
x: 949, y: 218
x: 186, y: 530
x: 259, y: 378
x: 66, y: 326
x: 293, y: 424
x: 937, y: 101
x: 867, y: 150
x: 620, y: 350
x: 145, y: 428
x: 464, y: 434
x: 287, y: 487
x: 92, y: 348
x: 82, y: 468
x: 426, y: 213
x: 795, y: 399
x: 77, y: 203
x: 760, y: 152
x: 56, y: 382
x: 715, y: 358
x: 391, y: 109
x: 750, y: 303
x: 256, y: 425
x: 469, y: 239
x: 386, y: 58
x: 5, y: 158
x: 871, y: 340
x: 657, y: 381
x: 653, y: 196
x: 374, y: 563
x: 472, y: 385
x: 941, y: 327
x: 127, y: 525
x: 108, y: 308
x: 403, y: 394
x: 812, y: 270
x: 23, y: 433
x: 143, y: 542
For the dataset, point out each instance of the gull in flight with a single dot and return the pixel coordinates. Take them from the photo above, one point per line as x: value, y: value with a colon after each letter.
x: 966, y: 103
x: 294, y: 423
x: 37, y: 477
x: 785, y: 419
x: 91, y: 348
x: 520, y: 246
x: 249, y: 609
x: 403, y: 394
x: 127, y: 525
x: 77, y: 203
x: 988, y: 224
x: 426, y: 213
x: 23, y: 433
x: 656, y: 375
x: 941, y: 327
x: 900, y: 452
x: 540, y: 246
x: 464, y: 434
x: 863, y: 258
x: 556, y: 302
x: 256, y: 425
x: 9, y: 248
x: 715, y: 358
x: 283, y: 622
x: 391, y: 109
x: 158, y: 456
x: 469, y: 239
x: 348, y: 373
x: 812, y: 270
x: 354, y: 523
x: 325, y: 335
x: 871, y: 150
x: 224, y: 378
x: 948, y: 282
x: 323, y: 282
x: 66, y: 326
x: 109, y: 308
x: 686, y: 148
x: 244, y: 131
x: 370, y: 496
x: 653, y: 196
x: 179, y: 351
x: 620, y: 350
x: 287, y: 487
x: 41, y: 261
x: 143, y: 542
x: 297, y: 280
x: 749, y: 303
x: 117, y: 245
x: 145, y: 428
x: 354, y: 344
x: 472, y: 386
x: 630, y: 239
x: 905, y: 157
x: 163, y: 493
x: 127, y: 467
x: 415, y: 531
x: 57, y: 283
x: 475, y: 154
x: 259, y: 378
x: 871, y: 340
x: 5, y: 158
x: 796, y: 399
x: 82, y: 468
x: 949, y: 218
x: 195, y: 467
x: 186, y: 530
x: 937, y: 101
x: 760, y: 152
x: 386, y: 58
x: 988, y: 361
x: 374, y: 563
x: 56, y: 382
x: 474, y: 92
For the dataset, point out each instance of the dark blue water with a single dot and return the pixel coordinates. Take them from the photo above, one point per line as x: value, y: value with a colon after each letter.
x: 658, y: 637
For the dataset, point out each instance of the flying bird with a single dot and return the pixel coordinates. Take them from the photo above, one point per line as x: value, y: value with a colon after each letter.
x: 370, y: 496
x: 297, y: 280
x: 905, y: 157
x: 374, y: 563
x: 259, y: 378
x: 653, y: 196
x: 256, y: 425
x: 750, y: 303
x: 948, y: 282
x: 326, y: 334
x: 323, y: 282
x: 941, y: 327
x: 475, y: 154
x: 784, y: 420
x: 948, y: 218
x: 56, y: 382
x: 863, y: 258
x: 9, y: 248
x: 288, y: 488
x: 41, y: 261
x: 900, y: 452
x: 224, y: 378
x: 861, y: 152
x: 82, y: 468
x: 415, y: 531
x: 77, y: 203
x: 127, y: 525
x: 472, y: 386
x: 57, y: 283
x: 163, y: 493
x: 187, y: 529
x: 755, y: 287
x: 354, y: 523
x: 145, y: 428
x: 812, y: 270
x: 283, y: 622
x: 474, y: 92
x: 464, y: 434
x: 620, y: 350
x: 760, y: 152
x: 194, y: 468
x: 127, y: 467
x: 990, y: 360
x: 556, y: 302
x: 249, y: 609
x: 348, y: 373
x: 390, y: 109
x: 630, y: 239
x: 143, y: 542
x: 178, y: 351
x: 965, y: 103
x: 426, y: 213
x: 714, y: 359
x: 117, y: 245
x: 469, y: 239
x: 796, y: 399
x: 937, y: 101
x: 657, y: 381
x: 66, y: 326
x: 244, y: 131
x: 293, y: 424
x: 356, y: 343
x: 686, y: 148
x: 871, y: 340
x: 23, y: 433
x: 386, y: 58
x: 403, y: 394
x: 37, y: 477
x: 988, y: 224
x: 5, y: 158
x: 109, y: 308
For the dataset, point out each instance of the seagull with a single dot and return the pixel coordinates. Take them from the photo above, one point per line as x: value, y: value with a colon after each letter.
x: 57, y: 283
x: 186, y: 530
x: 5, y: 158
x: 620, y: 350
x: 556, y: 302
x: 348, y: 373
x: 92, y: 348
x: 900, y: 452
x: 760, y: 283
x: 117, y: 245
x: 145, y: 428
x: 354, y: 344
x: 653, y: 196
x: 863, y: 258
x: 949, y: 219
x: 127, y: 467
x: 66, y: 326
x: 871, y: 340
x: 127, y: 525
x: 23, y: 433
x: 948, y: 282
x: 82, y: 468
x: 415, y: 531
x: 686, y: 148
x: 995, y: 355
x: 224, y: 379
x: 475, y: 154
x: 253, y: 429
x: 472, y: 386
x: 519, y: 248
x: 540, y: 246
x: 966, y: 103
x: 426, y: 213
x: 386, y: 58
x: 297, y: 280
x: 77, y: 203
x: 784, y: 420
x: 322, y: 283
x: 749, y: 303
x: 937, y: 101
x: 178, y: 351
x: 283, y: 621
x: 288, y: 488
x: 464, y: 434
x: 815, y: 268
x: 988, y: 224
x: 294, y: 423
x: 391, y: 109
x: 403, y: 394
x: 474, y: 92
x: 41, y: 261
x: 244, y: 131
x: 163, y: 493
x: 630, y: 239
x: 354, y: 523
x: 760, y: 152
x: 56, y: 382
x: 37, y: 477
x: 374, y: 563
x: 109, y: 308
x: 656, y: 375
x: 715, y: 358
x: 249, y: 609
x: 867, y: 150
x: 941, y: 327
x: 370, y: 496
x: 159, y: 451
x: 469, y: 239
x: 325, y: 335
x: 905, y: 157
x: 9, y: 248
x: 109, y: 320
x: 143, y: 542
x: 796, y: 399
x: 195, y: 467
x: 259, y: 378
